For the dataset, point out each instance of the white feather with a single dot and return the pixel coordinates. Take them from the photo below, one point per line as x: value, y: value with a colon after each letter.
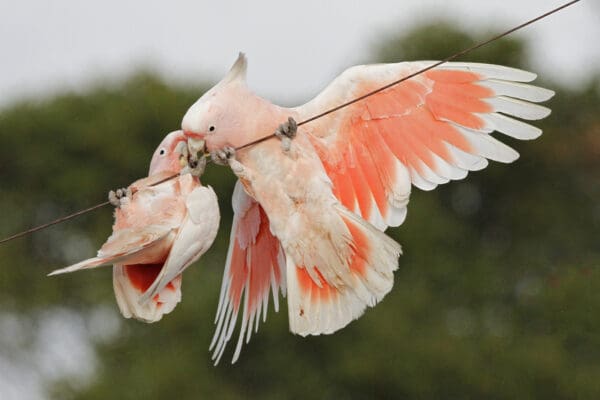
x: 197, y: 233
x: 396, y: 216
x: 491, y: 71
x: 517, y: 90
x: 510, y: 126
x: 465, y: 160
x: 445, y: 170
x: 488, y: 147
x: 518, y: 108
x: 350, y: 299
x: 128, y: 298
x: 419, y: 181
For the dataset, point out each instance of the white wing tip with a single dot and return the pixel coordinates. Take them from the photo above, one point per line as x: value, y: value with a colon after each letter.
x: 546, y: 94
x: 492, y: 70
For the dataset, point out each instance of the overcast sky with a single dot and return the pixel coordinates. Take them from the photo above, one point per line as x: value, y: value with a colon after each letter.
x: 294, y: 48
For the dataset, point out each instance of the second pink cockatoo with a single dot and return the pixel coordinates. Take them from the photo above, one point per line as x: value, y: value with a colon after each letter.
x: 298, y: 224
x: 158, y: 232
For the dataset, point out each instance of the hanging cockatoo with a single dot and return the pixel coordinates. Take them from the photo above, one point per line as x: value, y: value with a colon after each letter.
x: 297, y: 223
x: 158, y: 232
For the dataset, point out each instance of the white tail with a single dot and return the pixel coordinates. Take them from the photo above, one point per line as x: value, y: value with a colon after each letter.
x: 316, y: 306
x: 85, y: 264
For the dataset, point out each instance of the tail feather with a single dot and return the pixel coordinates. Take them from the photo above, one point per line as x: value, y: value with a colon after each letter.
x: 131, y: 281
x: 131, y: 245
x: 317, y: 306
x: 85, y: 264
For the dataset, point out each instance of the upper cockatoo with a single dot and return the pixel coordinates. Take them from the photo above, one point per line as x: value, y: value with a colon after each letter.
x: 297, y: 223
x: 158, y: 232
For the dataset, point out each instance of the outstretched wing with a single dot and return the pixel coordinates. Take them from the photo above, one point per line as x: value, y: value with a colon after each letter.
x: 255, y: 265
x: 195, y: 236
x: 425, y: 131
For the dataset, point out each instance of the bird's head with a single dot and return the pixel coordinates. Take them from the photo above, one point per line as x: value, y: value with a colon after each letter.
x: 169, y: 153
x: 216, y: 116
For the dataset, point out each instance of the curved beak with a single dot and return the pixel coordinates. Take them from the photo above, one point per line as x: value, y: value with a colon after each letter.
x: 196, y: 145
x: 193, y: 135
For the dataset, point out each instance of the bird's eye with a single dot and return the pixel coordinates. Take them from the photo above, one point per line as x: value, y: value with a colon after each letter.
x: 162, y: 152
x: 211, y: 128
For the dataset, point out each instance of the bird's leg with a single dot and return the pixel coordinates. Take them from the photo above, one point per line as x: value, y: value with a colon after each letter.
x: 223, y: 156
x: 116, y: 197
x: 286, y: 132
x: 226, y: 156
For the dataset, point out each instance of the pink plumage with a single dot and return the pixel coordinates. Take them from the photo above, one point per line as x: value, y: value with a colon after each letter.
x: 314, y: 215
x: 158, y: 232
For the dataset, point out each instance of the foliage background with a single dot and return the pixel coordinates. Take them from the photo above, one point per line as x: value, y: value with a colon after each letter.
x: 497, y: 294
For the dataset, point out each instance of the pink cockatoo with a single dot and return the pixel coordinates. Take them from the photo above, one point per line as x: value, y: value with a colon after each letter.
x: 297, y: 224
x: 158, y: 232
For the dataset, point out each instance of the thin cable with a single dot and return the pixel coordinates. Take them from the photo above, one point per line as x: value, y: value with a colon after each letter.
x: 389, y: 85
x: 56, y: 221
x: 71, y: 216
x: 315, y: 117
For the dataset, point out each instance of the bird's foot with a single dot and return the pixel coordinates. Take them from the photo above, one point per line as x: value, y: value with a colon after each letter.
x: 223, y: 156
x: 116, y: 197
x: 286, y: 132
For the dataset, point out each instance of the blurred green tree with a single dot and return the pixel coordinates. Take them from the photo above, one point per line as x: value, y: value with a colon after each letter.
x: 437, y: 39
x: 497, y: 295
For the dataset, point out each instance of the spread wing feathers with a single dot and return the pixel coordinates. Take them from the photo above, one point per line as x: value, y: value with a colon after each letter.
x: 255, y: 265
x: 131, y: 245
x: 131, y: 281
x: 195, y: 236
x: 318, y: 305
x: 425, y: 131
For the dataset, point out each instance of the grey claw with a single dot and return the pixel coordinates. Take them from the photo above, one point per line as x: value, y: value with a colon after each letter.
x: 286, y: 132
x: 292, y: 126
x: 222, y: 156
x: 287, y: 129
x: 115, y: 197
x: 217, y: 157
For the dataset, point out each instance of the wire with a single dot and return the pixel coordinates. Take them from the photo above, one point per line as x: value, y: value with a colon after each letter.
x: 445, y: 60
x: 71, y: 216
x: 315, y: 117
x: 56, y: 221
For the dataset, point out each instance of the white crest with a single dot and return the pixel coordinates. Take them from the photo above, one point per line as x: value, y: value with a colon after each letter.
x: 237, y: 71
